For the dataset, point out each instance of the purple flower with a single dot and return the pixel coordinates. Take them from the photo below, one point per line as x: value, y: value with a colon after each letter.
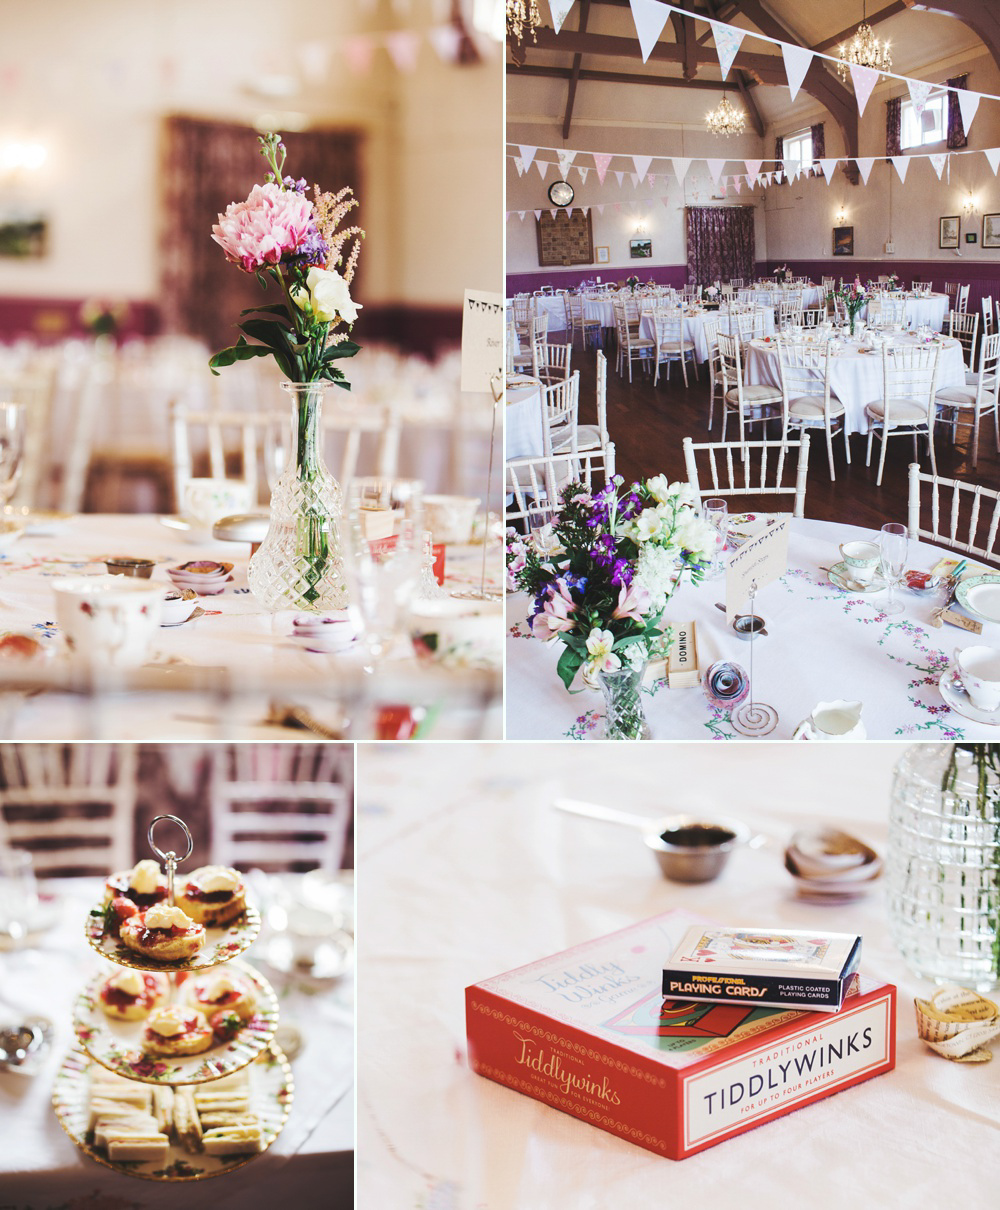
x: 621, y: 576
x: 312, y: 251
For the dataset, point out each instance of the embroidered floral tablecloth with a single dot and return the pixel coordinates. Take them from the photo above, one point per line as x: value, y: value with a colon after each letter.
x: 822, y: 644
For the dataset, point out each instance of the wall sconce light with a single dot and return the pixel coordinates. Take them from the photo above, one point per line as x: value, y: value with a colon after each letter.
x: 970, y: 204
x: 640, y: 229
x: 841, y: 216
x: 17, y: 158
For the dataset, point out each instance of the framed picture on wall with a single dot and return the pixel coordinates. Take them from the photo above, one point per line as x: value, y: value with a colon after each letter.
x: 843, y: 241
x: 603, y: 254
x: 22, y: 235
x: 971, y: 237
x: 948, y: 230
x: 991, y: 230
x: 640, y: 248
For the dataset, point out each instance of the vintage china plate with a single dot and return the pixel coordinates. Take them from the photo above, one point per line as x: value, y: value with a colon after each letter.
x: 116, y: 1045
x: 273, y: 1089
x: 839, y: 577
x: 38, y: 521
x: 955, y: 696
x: 980, y: 595
x: 221, y: 944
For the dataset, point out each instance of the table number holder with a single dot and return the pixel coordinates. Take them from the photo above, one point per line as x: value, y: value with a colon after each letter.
x: 753, y: 718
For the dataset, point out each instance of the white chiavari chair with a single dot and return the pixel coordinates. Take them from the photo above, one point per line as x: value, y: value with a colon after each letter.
x: 967, y: 519
x: 963, y: 326
x: 753, y: 468
x: 907, y: 408
x: 752, y: 404
x: 806, y: 398
x: 671, y: 345
x: 963, y: 407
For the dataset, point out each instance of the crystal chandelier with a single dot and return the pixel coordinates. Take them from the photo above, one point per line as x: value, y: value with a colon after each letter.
x: 521, y: 13
x: 726, y: 119
x: 864, y: 50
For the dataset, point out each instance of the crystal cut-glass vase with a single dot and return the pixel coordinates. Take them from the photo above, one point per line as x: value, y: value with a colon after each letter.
x: 299, y: 564
x: 943, y: 863
x: 624, y: 717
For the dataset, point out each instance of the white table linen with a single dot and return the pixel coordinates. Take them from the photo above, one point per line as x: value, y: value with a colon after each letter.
x: 532, y: 882
x: 694, y: 328
x: 822, y: 644
x: 855, y: 375
x: 812, y: 296
x: 524, y: 433
x: 41, y: 1166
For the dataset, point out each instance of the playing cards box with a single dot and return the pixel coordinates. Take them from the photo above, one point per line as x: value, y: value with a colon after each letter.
x: 776, y: 968
x: 589, y: 1032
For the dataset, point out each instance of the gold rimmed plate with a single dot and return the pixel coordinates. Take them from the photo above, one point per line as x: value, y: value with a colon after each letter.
x: 221, y: 944
x: 272, y: 1089
x: 117, y: 1045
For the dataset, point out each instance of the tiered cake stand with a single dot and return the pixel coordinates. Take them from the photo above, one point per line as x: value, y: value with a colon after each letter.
x: 116, y: 1046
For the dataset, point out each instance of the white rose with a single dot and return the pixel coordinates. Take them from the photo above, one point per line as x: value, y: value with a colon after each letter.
x: 327, y: 297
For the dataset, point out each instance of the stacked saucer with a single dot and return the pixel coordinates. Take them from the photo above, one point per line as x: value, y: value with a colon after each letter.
x: 325, y: 634
x: 205, y: 576
x: 829, y: 866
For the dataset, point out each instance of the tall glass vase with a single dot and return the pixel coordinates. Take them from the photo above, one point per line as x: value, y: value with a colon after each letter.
x: 299, y: 564
x: 623, y: 713
x: 943, y: 863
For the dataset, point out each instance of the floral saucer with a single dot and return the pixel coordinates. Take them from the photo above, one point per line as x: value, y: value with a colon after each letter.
x: 956, y: 698
x: 116, y: 1045
x: 221, y: 944
x: 840, y: 577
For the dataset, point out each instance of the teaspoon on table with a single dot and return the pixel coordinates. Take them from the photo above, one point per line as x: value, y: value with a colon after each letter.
x: 21, y: 1046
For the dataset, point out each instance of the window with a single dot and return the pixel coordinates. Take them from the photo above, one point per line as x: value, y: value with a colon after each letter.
x: 799, y: 150
x: 930, y: 127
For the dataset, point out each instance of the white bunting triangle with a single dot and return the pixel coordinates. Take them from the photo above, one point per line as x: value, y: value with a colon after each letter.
x: 737, y: 183
x: 993, y: 155
x: 560, y: 11
x: 650, y: 17
x: 938, y: 162
x: 519, y: 165
x: 543, y: 167
x: 797, y: 60
x: 620, y: 176
x: 680, y: 168
x: 829, y: 167
x: 527, y: 154
x: 727, y: 43
x: 715, y: 168
x: 521, y: 214
x: 968, y: 103
x: 447, y: 41
x: 601, y: 162
x: 902, y: 165
x: 538, y: 216
x: 864, y: 80
x: 403, y: 46
x: 553, y: 213
x: 651, y: 180
x: 565, y: 159
x: 635, y: 179
x: 584, y: 172
x: 642, y: 163
x: 600, y: 208
x: 865, y: 167
x: 920, y: 90
x: 753, y: 166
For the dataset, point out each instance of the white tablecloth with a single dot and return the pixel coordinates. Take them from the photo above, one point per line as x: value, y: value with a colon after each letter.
x: 694, y: 328
x: 252, y: 646
x: 855, y: 376
x: 310, y: 1162
x: 524, y: 435
x: 822, y: 644
x: 811, y: 295
x: 468, y: 873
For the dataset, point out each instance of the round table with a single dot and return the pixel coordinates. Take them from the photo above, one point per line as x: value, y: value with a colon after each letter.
x: 930, y: 312
x: 524, y: 427
x: 855, y: 373
x: 822, y: 644
x: 694, y: 328
x: 812, y: 296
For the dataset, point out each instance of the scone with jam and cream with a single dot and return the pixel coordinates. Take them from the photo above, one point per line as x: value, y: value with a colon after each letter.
x: 164, y: 933
x: 145, y: 884
x: 222, y: 991
x: 176, y: 1030
x: 131, y: 995
x: 214, y: 895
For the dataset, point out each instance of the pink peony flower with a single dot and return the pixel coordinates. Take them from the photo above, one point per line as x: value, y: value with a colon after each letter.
x: 554, y: 615
x: 633, y: 601
x: 269, y: 224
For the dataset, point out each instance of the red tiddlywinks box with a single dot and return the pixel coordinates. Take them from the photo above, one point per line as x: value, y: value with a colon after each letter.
x: 589, y: 1032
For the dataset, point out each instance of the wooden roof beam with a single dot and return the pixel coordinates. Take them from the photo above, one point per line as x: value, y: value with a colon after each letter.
x: 981, y: 16
x: 684, y: 32
x: 574, y: 77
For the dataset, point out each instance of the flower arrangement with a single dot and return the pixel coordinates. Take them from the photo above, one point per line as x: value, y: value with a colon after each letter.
x: 711, y: 291
x: 783, y: 271
x: 282, y: 236
x: 854, y: 297
x: 103, y: 316
x: 603, y: 571
x: 632, y: 283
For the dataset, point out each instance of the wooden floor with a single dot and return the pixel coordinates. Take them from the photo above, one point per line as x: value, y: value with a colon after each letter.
x: 648, y: 426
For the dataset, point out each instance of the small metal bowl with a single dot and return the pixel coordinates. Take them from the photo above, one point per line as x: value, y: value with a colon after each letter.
x: 748, y: 625
x: 691, y: 848
x: 121, y: 566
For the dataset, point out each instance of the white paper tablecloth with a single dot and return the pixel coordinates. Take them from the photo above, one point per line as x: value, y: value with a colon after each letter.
x: 310, y: 1162
x: 235, y: 633
x: 822, y: 644
x: 855, y: 377
x: 530, y: 882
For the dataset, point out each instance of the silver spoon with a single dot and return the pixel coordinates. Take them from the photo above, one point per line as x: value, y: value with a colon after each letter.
x: 22, y: 1046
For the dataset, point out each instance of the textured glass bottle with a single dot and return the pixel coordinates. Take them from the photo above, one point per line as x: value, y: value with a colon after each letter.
x: 624, y: 716
x: 943, y: 863
x: 299, y: 564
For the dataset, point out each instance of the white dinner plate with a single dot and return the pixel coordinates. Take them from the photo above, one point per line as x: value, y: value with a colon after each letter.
x: 980, y: 595
x: 953, y: 692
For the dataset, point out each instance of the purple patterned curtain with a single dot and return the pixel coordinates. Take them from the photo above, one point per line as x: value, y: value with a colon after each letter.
x: 779, y: 155
x: 720, y: 243
x: 956, y: 131
x: 893, y: 126
x: 818, y: 141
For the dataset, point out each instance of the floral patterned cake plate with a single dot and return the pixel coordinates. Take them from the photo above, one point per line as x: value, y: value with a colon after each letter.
x: 956, y: 697
x: 117, y: 1044
x: 272, y: 1087
x: 221, y: 944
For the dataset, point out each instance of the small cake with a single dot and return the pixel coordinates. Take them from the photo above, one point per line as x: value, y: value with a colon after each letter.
x: 145, y: 884
x: 164, y: 933
x: 130, y: 995
x: 214, y: 895
x: 222, y: 991
x: 176, y: 1030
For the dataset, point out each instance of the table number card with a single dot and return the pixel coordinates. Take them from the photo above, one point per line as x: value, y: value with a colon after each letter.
x: 760, y: 561
x: 482, y: 340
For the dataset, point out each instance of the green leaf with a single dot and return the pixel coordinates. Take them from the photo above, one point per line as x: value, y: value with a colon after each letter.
x: 241, y: 351
x: 568, y: 666
x: 346, y: 348
x: 271, y: 308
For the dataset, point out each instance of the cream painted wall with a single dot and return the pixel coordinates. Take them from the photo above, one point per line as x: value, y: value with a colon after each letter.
x: 93, y: 82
